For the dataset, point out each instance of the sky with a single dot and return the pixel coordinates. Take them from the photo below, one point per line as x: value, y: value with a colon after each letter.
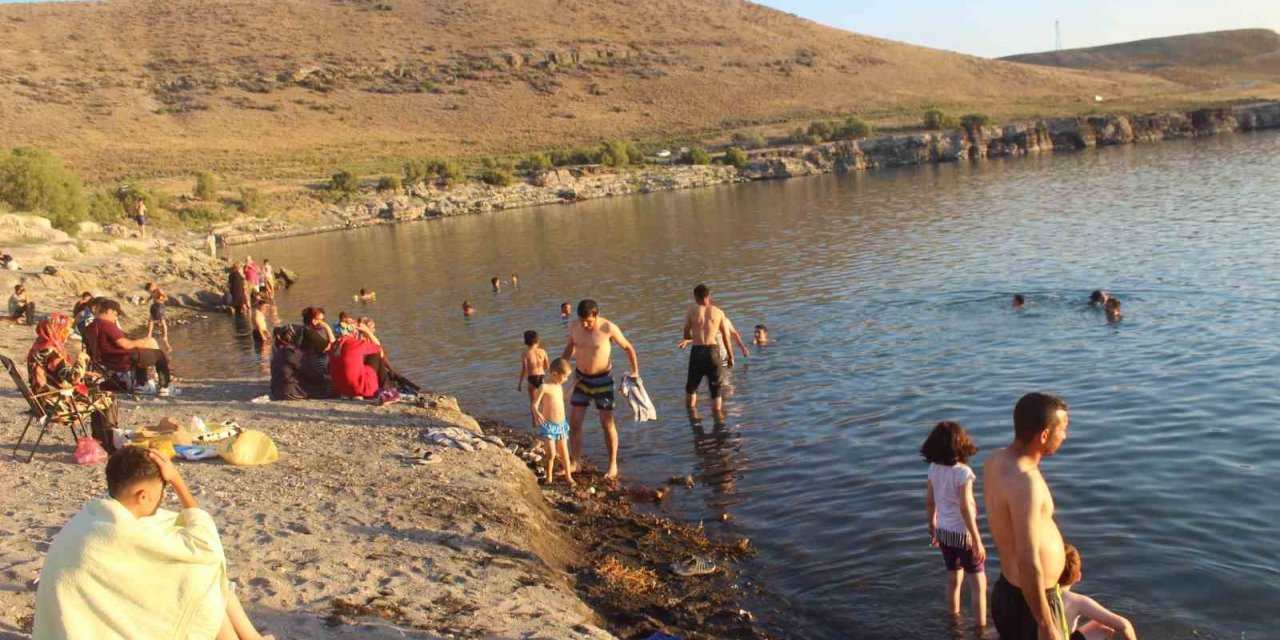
x: 993, y: 28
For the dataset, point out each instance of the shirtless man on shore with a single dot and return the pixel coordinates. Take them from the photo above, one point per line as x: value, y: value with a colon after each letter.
x: 704, y: 325
x: 1026, y: 602
x: 591, y: 340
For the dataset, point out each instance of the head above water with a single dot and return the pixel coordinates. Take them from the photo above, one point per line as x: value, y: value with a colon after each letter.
x: 133, y: 480
x: 1099, y: 297
x: 530, y: 338
x: 1073, y: 569
x: 1018, y: 300
x: 948, y: 444
x: 566, y: 308
x: 1040, y: 419
x: 701, y: 293
x: 588, y: 309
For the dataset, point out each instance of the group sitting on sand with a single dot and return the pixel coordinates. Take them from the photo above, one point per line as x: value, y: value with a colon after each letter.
x: 315, y: 360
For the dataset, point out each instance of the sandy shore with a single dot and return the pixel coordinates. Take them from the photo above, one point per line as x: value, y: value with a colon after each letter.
x: 343, y: 537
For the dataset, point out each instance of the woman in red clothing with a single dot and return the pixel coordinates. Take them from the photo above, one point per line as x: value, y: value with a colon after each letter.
x: 357, y: 364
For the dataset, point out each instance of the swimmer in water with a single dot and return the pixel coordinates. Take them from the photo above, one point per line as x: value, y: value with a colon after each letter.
x: 467, y: 309
x: 497, y: 284
x: 566, y: 310
x: 1018, y: 301
x: 515, y: 281
x: 761, y: 336
x: 1099, y: 298
x: 1112, y: 308
x: 365, y: 296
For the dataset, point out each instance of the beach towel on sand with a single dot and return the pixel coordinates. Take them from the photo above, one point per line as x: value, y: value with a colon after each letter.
x: 642, y: 408
x: 112, y: 576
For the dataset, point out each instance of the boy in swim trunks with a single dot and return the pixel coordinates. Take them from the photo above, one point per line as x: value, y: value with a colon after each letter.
x: 533, y: 364
x: 547, y: 406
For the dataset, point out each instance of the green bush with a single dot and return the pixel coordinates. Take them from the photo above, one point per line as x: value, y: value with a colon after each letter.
x: 250, y: 201
x: 852, y: 129
x: 975, y: 119
x: 937, y: 120
x: 389, y: 183
x: 823, y: 130
x: 415, y: 172
x: 443, y: 172
x: 749, y: 141
x: 105, y: 208
x: 735, y: 157
x: 202, y: 216
x: 536, y: 162
x: 496, y: 176
x: 635, y: 155
x: 34, y: 180
x: 614, y: 154
x: 697, y: 155
x: 206, y: 186
x: 344, y: 183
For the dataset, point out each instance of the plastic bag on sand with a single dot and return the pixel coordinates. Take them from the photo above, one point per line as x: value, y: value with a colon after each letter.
x: 249, y: 449
x: 89, y: 451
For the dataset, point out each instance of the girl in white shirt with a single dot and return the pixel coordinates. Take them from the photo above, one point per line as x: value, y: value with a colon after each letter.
x: 953, y: 516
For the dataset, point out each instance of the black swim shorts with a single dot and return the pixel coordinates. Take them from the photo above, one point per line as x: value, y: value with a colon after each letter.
x: 704, y: 360
x: 1013, y: 617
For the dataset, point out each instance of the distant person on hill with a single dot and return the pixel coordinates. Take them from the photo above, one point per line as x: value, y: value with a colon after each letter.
x: 1026, y: 602
x: 533, y: 363
x: 1018, y: 301
x: 140, y: 217
x: 8, y: 263
x: 1113, y: 310
x: 211, y: 242
x: 761, y: 335
x: 1103, y: 624
x: 467, y: 309
x: 953, y: 516
x: 1099, y: 298
x: 156, y: 318
x: 123, y: 568
x: 20, y: 306
x: 704, y: 326
x: 547, y: 407
x: 591, y: 340
x: 497, y: 284
x: 566, y: 311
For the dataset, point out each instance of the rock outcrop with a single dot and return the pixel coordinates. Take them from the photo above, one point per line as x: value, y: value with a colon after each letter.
x: 969, y: 143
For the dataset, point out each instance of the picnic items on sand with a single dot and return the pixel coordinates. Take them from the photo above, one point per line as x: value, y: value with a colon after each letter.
x: 89, y: 452
x: 250, y: 449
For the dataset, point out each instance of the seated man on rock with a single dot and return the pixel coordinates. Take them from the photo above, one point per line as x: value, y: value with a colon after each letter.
x: 123, y: 568
x: 108, y: 345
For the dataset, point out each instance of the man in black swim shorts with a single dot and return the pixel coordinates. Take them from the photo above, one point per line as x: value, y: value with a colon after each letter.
x: 702, y: 324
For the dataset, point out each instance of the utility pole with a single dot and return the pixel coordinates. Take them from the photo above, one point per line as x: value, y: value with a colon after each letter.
x: 1057, y: 35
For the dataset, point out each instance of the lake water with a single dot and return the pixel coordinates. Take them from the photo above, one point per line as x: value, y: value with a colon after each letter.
x: 888, y: 295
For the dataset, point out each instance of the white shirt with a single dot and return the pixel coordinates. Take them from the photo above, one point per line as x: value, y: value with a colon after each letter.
x: 947, y: 483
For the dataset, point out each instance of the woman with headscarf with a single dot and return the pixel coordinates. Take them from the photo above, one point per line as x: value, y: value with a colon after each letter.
x: 51, y: 368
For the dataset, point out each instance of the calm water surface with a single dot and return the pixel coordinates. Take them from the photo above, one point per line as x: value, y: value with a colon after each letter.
x: 888, y: 294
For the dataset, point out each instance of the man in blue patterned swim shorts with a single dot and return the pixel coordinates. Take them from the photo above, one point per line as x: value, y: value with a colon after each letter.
x: 591, y: 339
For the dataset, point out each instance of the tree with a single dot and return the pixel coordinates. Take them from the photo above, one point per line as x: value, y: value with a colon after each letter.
x: 536, y: 162
x: 344, y: 183
x: 853, y: 128
x: 250, y: 201
x: 614, y: 154
x: 975, y: 120
x: 415, y: 172
x: 735, y: 157
x: 697, y: 155
x: 34, y: 180
x: 206, y: 186
x: 389, y: 183
x: 937, y: 120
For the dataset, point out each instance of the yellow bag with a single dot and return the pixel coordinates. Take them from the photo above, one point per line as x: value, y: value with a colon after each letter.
x: 162, y: 446
x: 250, y: 449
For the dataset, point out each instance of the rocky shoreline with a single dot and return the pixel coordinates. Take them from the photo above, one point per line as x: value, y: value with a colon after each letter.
x: 568, y: 185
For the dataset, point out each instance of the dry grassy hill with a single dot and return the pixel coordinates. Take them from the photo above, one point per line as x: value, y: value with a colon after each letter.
x: 292, y: 88
x: 1210, y: 59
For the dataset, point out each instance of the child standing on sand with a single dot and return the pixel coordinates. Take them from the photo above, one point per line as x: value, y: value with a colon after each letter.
x: 1102, y: 622
x: 547, y: 406
x: 953, y: 515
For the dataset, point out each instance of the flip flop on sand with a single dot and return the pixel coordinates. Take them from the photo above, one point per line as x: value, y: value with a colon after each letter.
x: 694, y: 566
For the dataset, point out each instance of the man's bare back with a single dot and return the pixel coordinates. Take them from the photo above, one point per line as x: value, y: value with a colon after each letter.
x: 1016, y: 494
x: 704, y: 322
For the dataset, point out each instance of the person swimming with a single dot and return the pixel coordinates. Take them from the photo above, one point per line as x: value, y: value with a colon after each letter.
x: 496, y: 283
x: 1018, y: 301
x: 365, y: 296
x: 761, y: 336
x: 1112, y: 308
x: 566, y: 311
x: 1099, y: 298
x: 467, y: 309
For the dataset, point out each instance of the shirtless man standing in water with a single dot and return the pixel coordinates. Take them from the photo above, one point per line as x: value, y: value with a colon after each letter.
x: 1026, y: 602
x: 591, y: 339
x: 704, y: 323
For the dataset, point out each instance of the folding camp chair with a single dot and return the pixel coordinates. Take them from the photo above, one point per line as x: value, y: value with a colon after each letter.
x: 37, y: 412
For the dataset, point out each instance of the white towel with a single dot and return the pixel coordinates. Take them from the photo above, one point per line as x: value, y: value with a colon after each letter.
x: 642, y: 408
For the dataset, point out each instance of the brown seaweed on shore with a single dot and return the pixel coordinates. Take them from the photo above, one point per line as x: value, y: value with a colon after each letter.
x: 625, y: 571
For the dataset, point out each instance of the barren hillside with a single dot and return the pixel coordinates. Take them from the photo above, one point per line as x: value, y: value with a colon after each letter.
x: 287, y: 88
x: 1203, y: 59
